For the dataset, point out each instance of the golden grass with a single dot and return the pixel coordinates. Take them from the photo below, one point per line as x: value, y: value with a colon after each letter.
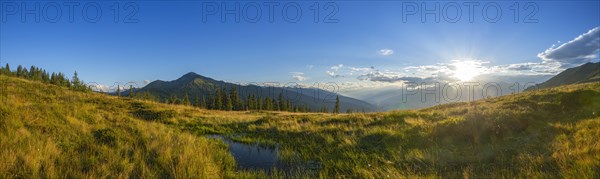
x: 49, y: 131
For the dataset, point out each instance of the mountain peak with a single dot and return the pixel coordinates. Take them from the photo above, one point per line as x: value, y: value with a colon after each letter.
x: 191, y: 74
x: 189, y: 77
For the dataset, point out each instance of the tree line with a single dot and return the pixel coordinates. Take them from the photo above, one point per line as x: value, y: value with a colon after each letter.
x: 38, y: 74
x: 220, y: 99
x: 230, y: 100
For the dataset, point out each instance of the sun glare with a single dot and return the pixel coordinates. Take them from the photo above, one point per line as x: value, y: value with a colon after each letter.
x: 466, y: 70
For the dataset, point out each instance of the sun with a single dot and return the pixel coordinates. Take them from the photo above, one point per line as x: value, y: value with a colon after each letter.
x: 466, y: 70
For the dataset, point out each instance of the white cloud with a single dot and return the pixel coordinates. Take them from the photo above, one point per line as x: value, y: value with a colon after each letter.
x: 354, y: 69
x: 146, y: 82
x: 334, y: 71
x: 337, y: 67
x: 528, y: 68
x: 451, y: 72
x: 582, y: 49
x: 385, y: 52
x: 333, y: 74
x: 298, y: 76
x: 98, y: 87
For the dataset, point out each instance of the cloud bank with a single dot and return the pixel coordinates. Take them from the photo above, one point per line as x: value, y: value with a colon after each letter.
x: 582, y: 49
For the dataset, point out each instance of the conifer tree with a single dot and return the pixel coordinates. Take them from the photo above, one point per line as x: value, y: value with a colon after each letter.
x: 19, y: 71
x: 235, y: 98
x: 131, y: 95
x: 24, y: 73
x: 77, y: 84
x: 213, y: 101
x: 268, y: 104
x: 228, y: 102
x: 118, y: 90
x: 249, y: 105
x: 336, y: 109
x: 32, y: 73
x: 280, y: 103
x: 204, y: 105
x: 146, y: 95
x: 45, y: 77
x: 7, y: 68
x: 259, y: 106
x: 186, y: 99
x: 275, y: 104
x: 219, y: 99
x: 175, y: 100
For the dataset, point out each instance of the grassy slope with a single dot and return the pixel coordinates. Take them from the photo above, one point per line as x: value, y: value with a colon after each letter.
x: 50, y: 131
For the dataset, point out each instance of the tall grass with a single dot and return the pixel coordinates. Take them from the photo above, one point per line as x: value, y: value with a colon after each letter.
x: 51, y: 132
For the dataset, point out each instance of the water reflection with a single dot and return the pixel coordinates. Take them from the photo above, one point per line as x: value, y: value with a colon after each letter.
x: 260, y: 157
x: 252, y: 156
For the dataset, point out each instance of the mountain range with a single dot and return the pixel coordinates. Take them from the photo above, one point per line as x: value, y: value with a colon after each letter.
x: 315, y: 99
x: 194, y: 84
x: 589, y: 72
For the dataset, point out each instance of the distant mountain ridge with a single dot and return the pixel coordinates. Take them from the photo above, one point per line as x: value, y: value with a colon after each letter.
x: 589, y: 72
x: 197, y: 85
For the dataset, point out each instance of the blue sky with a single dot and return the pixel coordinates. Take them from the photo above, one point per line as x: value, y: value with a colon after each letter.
x: 369, y: 45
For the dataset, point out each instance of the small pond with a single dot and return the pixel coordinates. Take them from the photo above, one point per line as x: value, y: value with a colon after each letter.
x: 260, y: 157
x: 252, y: 156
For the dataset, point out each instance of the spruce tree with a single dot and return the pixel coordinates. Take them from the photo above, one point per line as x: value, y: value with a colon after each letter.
x: 336, y: 109
x: 259, y: 106
x: 268, y: 104
x: 281, y: 103
x: 219, y: 99
x: 249, y: 102
x: 53, y: 79
x: 235, y: 98
x: 118, y: 90
x: 204, y: 105
x: 131, y: 95
x: 19, y: 71
x: 174, y: 100
x: 32, y: 73
x: 275, y: 105
x: 45, y: 77
x: 213, y: 101
x: 186, y: 99
x: 24, y: 73
x: 7, y: 68
x: 229, y: 102
x: 77, y: 84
